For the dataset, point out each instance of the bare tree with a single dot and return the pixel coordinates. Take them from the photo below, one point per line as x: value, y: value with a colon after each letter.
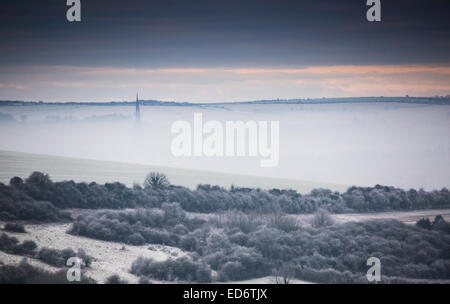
x: 322, y: 218
x: 156, y: 180
x: 283, y: 275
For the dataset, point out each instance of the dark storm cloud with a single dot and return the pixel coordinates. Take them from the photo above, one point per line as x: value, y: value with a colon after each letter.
x: 222, y: 50
x: 210, y: 33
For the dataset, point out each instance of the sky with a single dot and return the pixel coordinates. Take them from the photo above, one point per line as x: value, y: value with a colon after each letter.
x: 221, y: 51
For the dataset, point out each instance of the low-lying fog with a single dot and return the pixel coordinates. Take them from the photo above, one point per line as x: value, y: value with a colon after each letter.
x: 403, y: 145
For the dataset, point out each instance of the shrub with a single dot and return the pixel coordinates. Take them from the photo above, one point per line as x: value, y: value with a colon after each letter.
x: 231, y: 270
x: 284, y: 223
x: 8, y: 243
x: 180, y: 269
x: 24, y: 273
x: 16, y: 181
x: 245, y: 223
x: 240, y: 263
x: 135, y: 227
x: 136, y: 239
x: 29, y: 246
x: 87, y: 259
x: 58, y: 258
x: 156, y: 180
x: 15, y: 205
x: 14, y: 227
x: 39, y: 178
x: 188, y: 243
x: 239, y: 238
x: 144, y: 280
x: 12, y: 245
x: 322, y: 219
x: 440, y: 224
x: 115, y: 279
x: 424, y: 223
x: 206, y: 198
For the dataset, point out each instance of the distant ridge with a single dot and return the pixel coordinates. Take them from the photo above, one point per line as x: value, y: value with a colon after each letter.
x: 107, y: 103
x: 414, y: 100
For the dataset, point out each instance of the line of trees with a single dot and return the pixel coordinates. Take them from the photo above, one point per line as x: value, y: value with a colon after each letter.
x: 15, y: 204
x: 37, y: 196
x: 438, y: 224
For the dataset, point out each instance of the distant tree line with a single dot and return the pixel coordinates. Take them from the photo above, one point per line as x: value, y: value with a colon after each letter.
x: 36, y: 197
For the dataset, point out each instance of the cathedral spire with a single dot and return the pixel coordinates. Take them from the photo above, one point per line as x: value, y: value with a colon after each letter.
x: 138, y: 111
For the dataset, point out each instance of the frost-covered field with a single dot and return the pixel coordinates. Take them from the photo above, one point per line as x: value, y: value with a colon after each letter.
x: 109, y: 258
x: 85, y: 170
x: 403, y: 145
x: 407, y: 217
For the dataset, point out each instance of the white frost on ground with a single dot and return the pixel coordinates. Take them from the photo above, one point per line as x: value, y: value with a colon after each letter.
x: 109, y: 257
x: 267, y: 280
x: 407, y: 217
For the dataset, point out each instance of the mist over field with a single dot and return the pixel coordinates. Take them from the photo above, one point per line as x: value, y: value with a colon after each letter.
x: 402, y: 145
